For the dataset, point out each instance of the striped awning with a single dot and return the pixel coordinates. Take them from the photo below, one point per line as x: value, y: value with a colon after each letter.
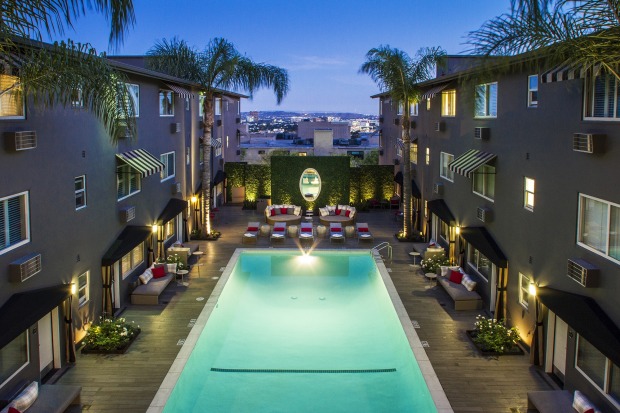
x: 430, y: 93
x: 215, y: 143
x: 142, y: 161
x: 181, y: 91
x: 567, y: 72
x: 399, y: 144
x: 471, y: 160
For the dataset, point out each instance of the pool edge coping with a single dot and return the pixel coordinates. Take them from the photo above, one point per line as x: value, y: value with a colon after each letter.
x: 435, y: 388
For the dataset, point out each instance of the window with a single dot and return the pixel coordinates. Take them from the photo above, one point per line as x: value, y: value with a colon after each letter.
x: 134, y: 96
x: 444, y: 231
x: 414, y: 109
x: 448, y: 103
x: 218, y: 106
x: 484, y: 182
x: 601, y: 97
x: 169, y: 229
x: 80, y: 192
x: 168, y: 160
x: 400, y: 108
x: 218, y: 147
x: 127, y: 182
x: 413, y: 153
x: 428, y: 104
x: 599, y: 226
x: 486, y: 100
x: 83, y: 288
x: 532, y: 91
x: 528, y: 196
x: 13, y: 357
x: 14, y: 222
x: 428, y: 156
x: 399, y: 151
x: 12, y: 100
x: 600, y: 370
x: 446, y: 159
x: 524, y: 291
x: 480, y: 263
x: 132, y: 259
x: 166, y: 103
x: 201, y: 108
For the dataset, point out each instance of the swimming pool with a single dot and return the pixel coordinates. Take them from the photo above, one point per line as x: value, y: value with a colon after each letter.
x: 294, y: 333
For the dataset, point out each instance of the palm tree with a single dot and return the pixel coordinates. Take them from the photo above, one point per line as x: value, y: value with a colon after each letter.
x: 65, y: 73
x: 396, y: 73
x: 216, y: 68
x: 577, y: 33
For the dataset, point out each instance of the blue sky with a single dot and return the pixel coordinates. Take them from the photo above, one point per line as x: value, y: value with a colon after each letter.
x: 322, y: 43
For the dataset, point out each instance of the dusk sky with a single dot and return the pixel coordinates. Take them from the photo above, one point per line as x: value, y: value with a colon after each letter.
x: 322, y: 43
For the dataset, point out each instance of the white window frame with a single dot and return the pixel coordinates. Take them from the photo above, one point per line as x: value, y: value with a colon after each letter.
x: 475, y: 265
x: 524, y: 291
x: 611, y: 84
x: 532, y: 91
x: 201, y: 101
x: 448, y: 103
x: 604, y: 254
x: 168, y: 159
x: 133, y: 263
x: 170, y: 229
x: 6, y: 83
x: 218, y: 149
x: 26, y: 363
x: 217, y: 107
x: 428, y: 156
x: 81, y: 191
x: 413, y: 153
x: 485, y: 185
x: 124, y: 178
x: 166, y: 94
x: 529, y: 191
x: 400, y: 109
x: 25, y: 220
x: 84, y: 290
x: 444, y: 160
x: 134, y: 94
x: 606, y: 375
x: 414, y: 109
x: 487, y: 100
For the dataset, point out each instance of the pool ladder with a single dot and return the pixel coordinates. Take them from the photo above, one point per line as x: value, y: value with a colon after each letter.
x: 384, y: 245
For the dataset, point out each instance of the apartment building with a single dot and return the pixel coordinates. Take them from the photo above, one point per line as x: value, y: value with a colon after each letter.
x: 81, y: 218
x: 516, y: 173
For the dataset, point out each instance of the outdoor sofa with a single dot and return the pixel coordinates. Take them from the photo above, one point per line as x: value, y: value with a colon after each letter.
x: 342, y: 214
x: 151, y: 286
x: 289, y: 214
x: 559, y: 401
x: 461, y: 288
x: 46, y: 398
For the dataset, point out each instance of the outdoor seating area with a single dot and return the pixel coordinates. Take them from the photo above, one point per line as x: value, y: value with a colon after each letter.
x: 153, y: 281
x: 460, y: 287
x: 335, y: 232
x: 363, y: 233
x: 251, y: 233
x: 342, y: 214
x: 290, y: 214
x: 278, y: 232
x: 46, y: 398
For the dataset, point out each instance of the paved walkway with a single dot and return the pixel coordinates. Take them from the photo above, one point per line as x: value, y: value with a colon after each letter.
x: 473, y: 383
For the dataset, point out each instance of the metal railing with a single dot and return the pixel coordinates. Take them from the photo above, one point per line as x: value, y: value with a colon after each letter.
x: 384, y: 245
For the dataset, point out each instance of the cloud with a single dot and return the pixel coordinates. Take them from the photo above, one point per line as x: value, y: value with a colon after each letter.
x: 313, y: 63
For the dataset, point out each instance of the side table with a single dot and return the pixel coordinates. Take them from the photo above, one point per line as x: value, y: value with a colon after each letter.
x: 182, y: 274
x: 198, y: 255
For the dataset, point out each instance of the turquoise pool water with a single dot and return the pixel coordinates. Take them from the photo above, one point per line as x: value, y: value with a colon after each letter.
x: 302, y: 334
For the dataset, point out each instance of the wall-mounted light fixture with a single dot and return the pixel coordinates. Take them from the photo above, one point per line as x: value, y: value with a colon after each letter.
x: 458, y: 230
x: 532, y: 289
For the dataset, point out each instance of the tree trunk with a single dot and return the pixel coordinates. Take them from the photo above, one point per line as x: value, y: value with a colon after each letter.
x: 406, y: 168
x: 206, y: 165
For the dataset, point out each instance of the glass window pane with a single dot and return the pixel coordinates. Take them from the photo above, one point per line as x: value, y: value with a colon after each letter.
x: 614, y: 383
x: 125, y: 263
x: 591, y: 362
x: 490, y: 181
x: 614, y: 233
x: 13, y: 356
x: 480, y: 103
x: 533, y: 82
x: 492, y: 99
x: 593, y: 223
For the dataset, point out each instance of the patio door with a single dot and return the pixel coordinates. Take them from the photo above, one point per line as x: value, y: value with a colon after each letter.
x: 559, y: 348
x: 46, y: 344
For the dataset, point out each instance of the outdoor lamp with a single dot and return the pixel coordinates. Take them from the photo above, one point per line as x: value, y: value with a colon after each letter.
x: 154, y: 228
x: 73, y: 288
x: 458, y: 230
x: 532, y: 289
x: 194, y: 199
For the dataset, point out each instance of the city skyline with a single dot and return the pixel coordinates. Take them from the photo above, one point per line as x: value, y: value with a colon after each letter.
x: 321, y: 44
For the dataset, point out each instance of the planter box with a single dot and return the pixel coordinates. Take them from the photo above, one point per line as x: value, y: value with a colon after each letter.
x: 122, y: 350
x: 513, y: 351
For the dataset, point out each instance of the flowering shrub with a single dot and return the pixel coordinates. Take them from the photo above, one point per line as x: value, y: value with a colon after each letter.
x: 432, y: 264
x: 493, y: 335
x: 173, y: 259
x: 110, y: 334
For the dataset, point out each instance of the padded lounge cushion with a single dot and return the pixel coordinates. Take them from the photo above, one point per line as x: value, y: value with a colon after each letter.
x: 456, y: 276
x: 362, y: 230
x: 458, y: 292
x: 27, y: 397
x: 306, y: 230
x: 154, y: 287
x: 336, y: 229
x: 252, y: 229
x: 158, y: 272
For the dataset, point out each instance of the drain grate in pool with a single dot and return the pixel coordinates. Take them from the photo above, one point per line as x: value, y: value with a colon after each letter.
x: 302, y: 371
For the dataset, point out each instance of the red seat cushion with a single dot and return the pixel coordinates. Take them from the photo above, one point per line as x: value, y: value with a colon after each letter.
x: 306, y: 230
x: 252, y: 228
x: 456, y: 276
x: 273, y: 213
x: 362, y: 230
x: 337, y: 212
x: 283, y: 211
x: 347, y: 213
x: 13, y: 410
x: 279, y: 229
x: 336, y: 229
x: 158, y: 272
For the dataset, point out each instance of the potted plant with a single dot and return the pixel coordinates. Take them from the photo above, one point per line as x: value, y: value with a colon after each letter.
x: 493, y: 337
x: 110, y: 336
x: 432, y: 264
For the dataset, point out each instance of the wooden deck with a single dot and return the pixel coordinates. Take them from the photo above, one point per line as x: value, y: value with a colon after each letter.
x: 473, y: 383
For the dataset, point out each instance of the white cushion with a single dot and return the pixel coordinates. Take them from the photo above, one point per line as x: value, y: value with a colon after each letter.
x: 323, y: 212
x: 146, y: 276
x: 171, y: 268
x: 27, y: 397
x: 581, y: 402
x: 297, y: 210
x: 468, y: 282
x: 330, y: 208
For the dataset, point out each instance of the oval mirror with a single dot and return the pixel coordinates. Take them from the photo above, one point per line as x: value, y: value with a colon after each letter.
x: 310, y: 184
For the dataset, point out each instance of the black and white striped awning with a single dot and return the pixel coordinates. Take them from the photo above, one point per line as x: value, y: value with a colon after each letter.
x: 399, y: 144
x: 430, y: 93
x: 181, y: 91
x: 471, y: 160
x: 567, y: 72
x: 215, y: 143
x: 141, y: 161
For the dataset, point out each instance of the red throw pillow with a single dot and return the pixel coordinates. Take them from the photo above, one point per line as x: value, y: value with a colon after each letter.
x: 252, y: 228
x: 337, y: 212
x: 346, y: 214
x: 283, y: 211
x: 306, y: 230
x: 273, y: 212
x: 279, y: 229
x: 158, y: 272
x: 13, y: 410
x: 336, y: 229
x: 456, y: 276
x: 362, y: 230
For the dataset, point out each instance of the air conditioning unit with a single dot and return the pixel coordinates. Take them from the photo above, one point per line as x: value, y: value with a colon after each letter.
x: 21, y: 141
x: 127, y: 214
x: 582, y: 272
x: 218, y: 122
x: 175, y: 127
x: 25, y: 267
x: 484, y: 214
x: 440, y: 126
x: 482, y: 133
x: 438, y: 188
x: 588, y: 142
x: 396, y: 121
x: 176, y: 188
x: 238, y: 120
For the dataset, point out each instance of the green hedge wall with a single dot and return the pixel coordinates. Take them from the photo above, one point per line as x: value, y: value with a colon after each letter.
x: 255, y: 178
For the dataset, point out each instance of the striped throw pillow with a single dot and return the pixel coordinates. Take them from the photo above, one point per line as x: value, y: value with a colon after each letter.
x: 468, y: 282
x: 27, y: 397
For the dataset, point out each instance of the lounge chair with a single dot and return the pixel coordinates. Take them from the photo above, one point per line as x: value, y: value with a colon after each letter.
x: 306, y: 232
x: 251, y: 233
x: 335, y: 232
x: 363, y: 233
x: 278, y: 231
